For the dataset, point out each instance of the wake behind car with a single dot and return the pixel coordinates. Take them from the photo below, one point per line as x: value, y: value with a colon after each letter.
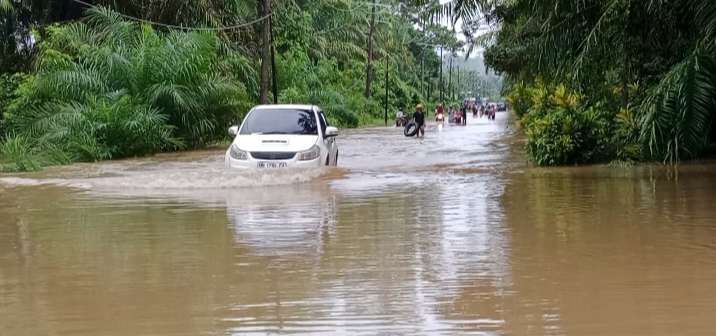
x: 279, y: 136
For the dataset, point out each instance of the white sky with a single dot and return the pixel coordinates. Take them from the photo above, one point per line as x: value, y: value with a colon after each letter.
x: 458, y: 32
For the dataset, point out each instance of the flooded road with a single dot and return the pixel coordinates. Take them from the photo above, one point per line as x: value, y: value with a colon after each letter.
x: 451, y: 235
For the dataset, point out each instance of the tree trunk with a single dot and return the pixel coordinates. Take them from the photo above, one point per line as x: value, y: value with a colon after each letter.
x: 368, y: 69
x: 440, y: 82
x: 265, y: 75
x: 422, y: 75
x: 625, y: 83
x: 626, y: 66
x: 430, y: 88
x: 458, y: 88
x: 386, y: 88
x: 449, y: 90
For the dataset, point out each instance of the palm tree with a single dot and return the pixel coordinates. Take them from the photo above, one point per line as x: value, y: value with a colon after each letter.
x: 662, y: 48
x: 106, y: 88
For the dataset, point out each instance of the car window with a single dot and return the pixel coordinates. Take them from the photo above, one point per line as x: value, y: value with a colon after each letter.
x: 280, y: 121
x: 324, y: 123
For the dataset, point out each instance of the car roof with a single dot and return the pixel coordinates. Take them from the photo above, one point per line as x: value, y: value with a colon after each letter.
x: 285, y: 107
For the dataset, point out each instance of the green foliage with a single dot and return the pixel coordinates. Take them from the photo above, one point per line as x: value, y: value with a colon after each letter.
x: 678, y: 114
x: 22, y: 153
x: 19, y: 154
x: 652, y: 58
x: 519, y: 99
x: 625, y: 141
x: 8, y: 87
x: 104, y: 87
x: 108, y: 88
x: 561, y: 131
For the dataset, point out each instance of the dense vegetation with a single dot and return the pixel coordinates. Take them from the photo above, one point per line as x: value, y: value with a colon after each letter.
x: 591, y: 80
x: 79, y: 83
x: 642, y: 75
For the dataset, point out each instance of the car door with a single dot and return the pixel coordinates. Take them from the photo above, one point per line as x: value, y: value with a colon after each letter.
x: 329, y: 142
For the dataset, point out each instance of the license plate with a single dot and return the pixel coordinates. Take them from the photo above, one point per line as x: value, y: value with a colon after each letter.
x: 264, y: 164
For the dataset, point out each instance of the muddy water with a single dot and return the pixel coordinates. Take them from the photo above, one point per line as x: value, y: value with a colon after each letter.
x: 448, y: 236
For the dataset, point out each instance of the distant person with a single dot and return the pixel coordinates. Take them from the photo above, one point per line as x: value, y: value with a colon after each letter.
x: 440, y: 117
x: 440, y: 109
x: 419, y: 118
x: 400, y: 118
x: 440, y: 121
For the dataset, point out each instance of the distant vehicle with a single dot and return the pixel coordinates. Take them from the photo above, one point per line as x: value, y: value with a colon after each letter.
x: 280, y: 136
x: 501, y: 107
x: 401, y: 119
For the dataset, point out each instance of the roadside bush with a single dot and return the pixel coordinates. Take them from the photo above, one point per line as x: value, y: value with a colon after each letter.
x: 626, y: 138
x: 19, y: 153
x: 560, y: 131
x: 519, y: 99
x: 107, y: 88
x: 8, y: 87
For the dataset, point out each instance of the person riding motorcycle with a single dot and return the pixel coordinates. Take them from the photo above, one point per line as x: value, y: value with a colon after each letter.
x: 439, y: 116
x: 400, y: 119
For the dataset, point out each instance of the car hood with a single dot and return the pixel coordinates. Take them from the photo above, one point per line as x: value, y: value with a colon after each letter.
x: 275, y: 142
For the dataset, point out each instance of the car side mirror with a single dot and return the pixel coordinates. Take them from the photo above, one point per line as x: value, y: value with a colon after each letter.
x: 331, y: 132
x: 233, y: 131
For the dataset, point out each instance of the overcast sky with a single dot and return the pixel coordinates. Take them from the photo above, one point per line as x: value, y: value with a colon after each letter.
x: 458, y: 32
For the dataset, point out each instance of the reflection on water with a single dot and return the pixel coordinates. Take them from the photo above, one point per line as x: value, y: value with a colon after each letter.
x: 454, y: 235
x: 283, y: 221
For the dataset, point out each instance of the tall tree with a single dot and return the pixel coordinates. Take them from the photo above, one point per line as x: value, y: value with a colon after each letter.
x: 369, y: 63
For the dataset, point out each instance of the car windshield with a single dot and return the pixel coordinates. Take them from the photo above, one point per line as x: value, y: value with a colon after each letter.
x: 280, y: 121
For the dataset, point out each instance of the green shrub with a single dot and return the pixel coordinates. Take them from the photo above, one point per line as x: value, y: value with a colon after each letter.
x: 626, y: 141
x: 19, y: 154
x: 519, y: 99
x: 560, y: 131
x: 107, y: 88
x: 8, y: 91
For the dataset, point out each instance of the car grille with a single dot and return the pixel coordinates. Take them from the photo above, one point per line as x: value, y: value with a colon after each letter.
x: 273, y: 155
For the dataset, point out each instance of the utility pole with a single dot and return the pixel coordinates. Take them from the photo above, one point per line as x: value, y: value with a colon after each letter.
x: 422, y: 75
x: 449, y: 88
x: 440, y: 83
x: 369, y: 70
x: 430, y: 87
x: 265, y: 8
x: 274, y: 73
x: 386, y: 88
x: 458, y: 81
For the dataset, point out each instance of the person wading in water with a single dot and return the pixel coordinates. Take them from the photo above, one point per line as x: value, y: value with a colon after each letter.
x: 419, y: 117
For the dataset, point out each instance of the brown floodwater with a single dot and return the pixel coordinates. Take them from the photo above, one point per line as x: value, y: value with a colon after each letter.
x: 452, y: 235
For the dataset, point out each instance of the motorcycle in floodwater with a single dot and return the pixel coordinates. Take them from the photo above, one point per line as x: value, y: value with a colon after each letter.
x: 440, y: 121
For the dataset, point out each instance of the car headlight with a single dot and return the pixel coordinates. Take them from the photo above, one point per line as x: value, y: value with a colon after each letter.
x: 238, y: 154
x: 310, y: 154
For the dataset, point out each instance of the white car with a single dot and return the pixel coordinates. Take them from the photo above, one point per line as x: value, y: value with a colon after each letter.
x: 278, y: 136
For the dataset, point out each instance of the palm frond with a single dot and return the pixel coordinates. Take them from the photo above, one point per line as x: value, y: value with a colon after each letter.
x: 679, y: 110
x: 6, y: 6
